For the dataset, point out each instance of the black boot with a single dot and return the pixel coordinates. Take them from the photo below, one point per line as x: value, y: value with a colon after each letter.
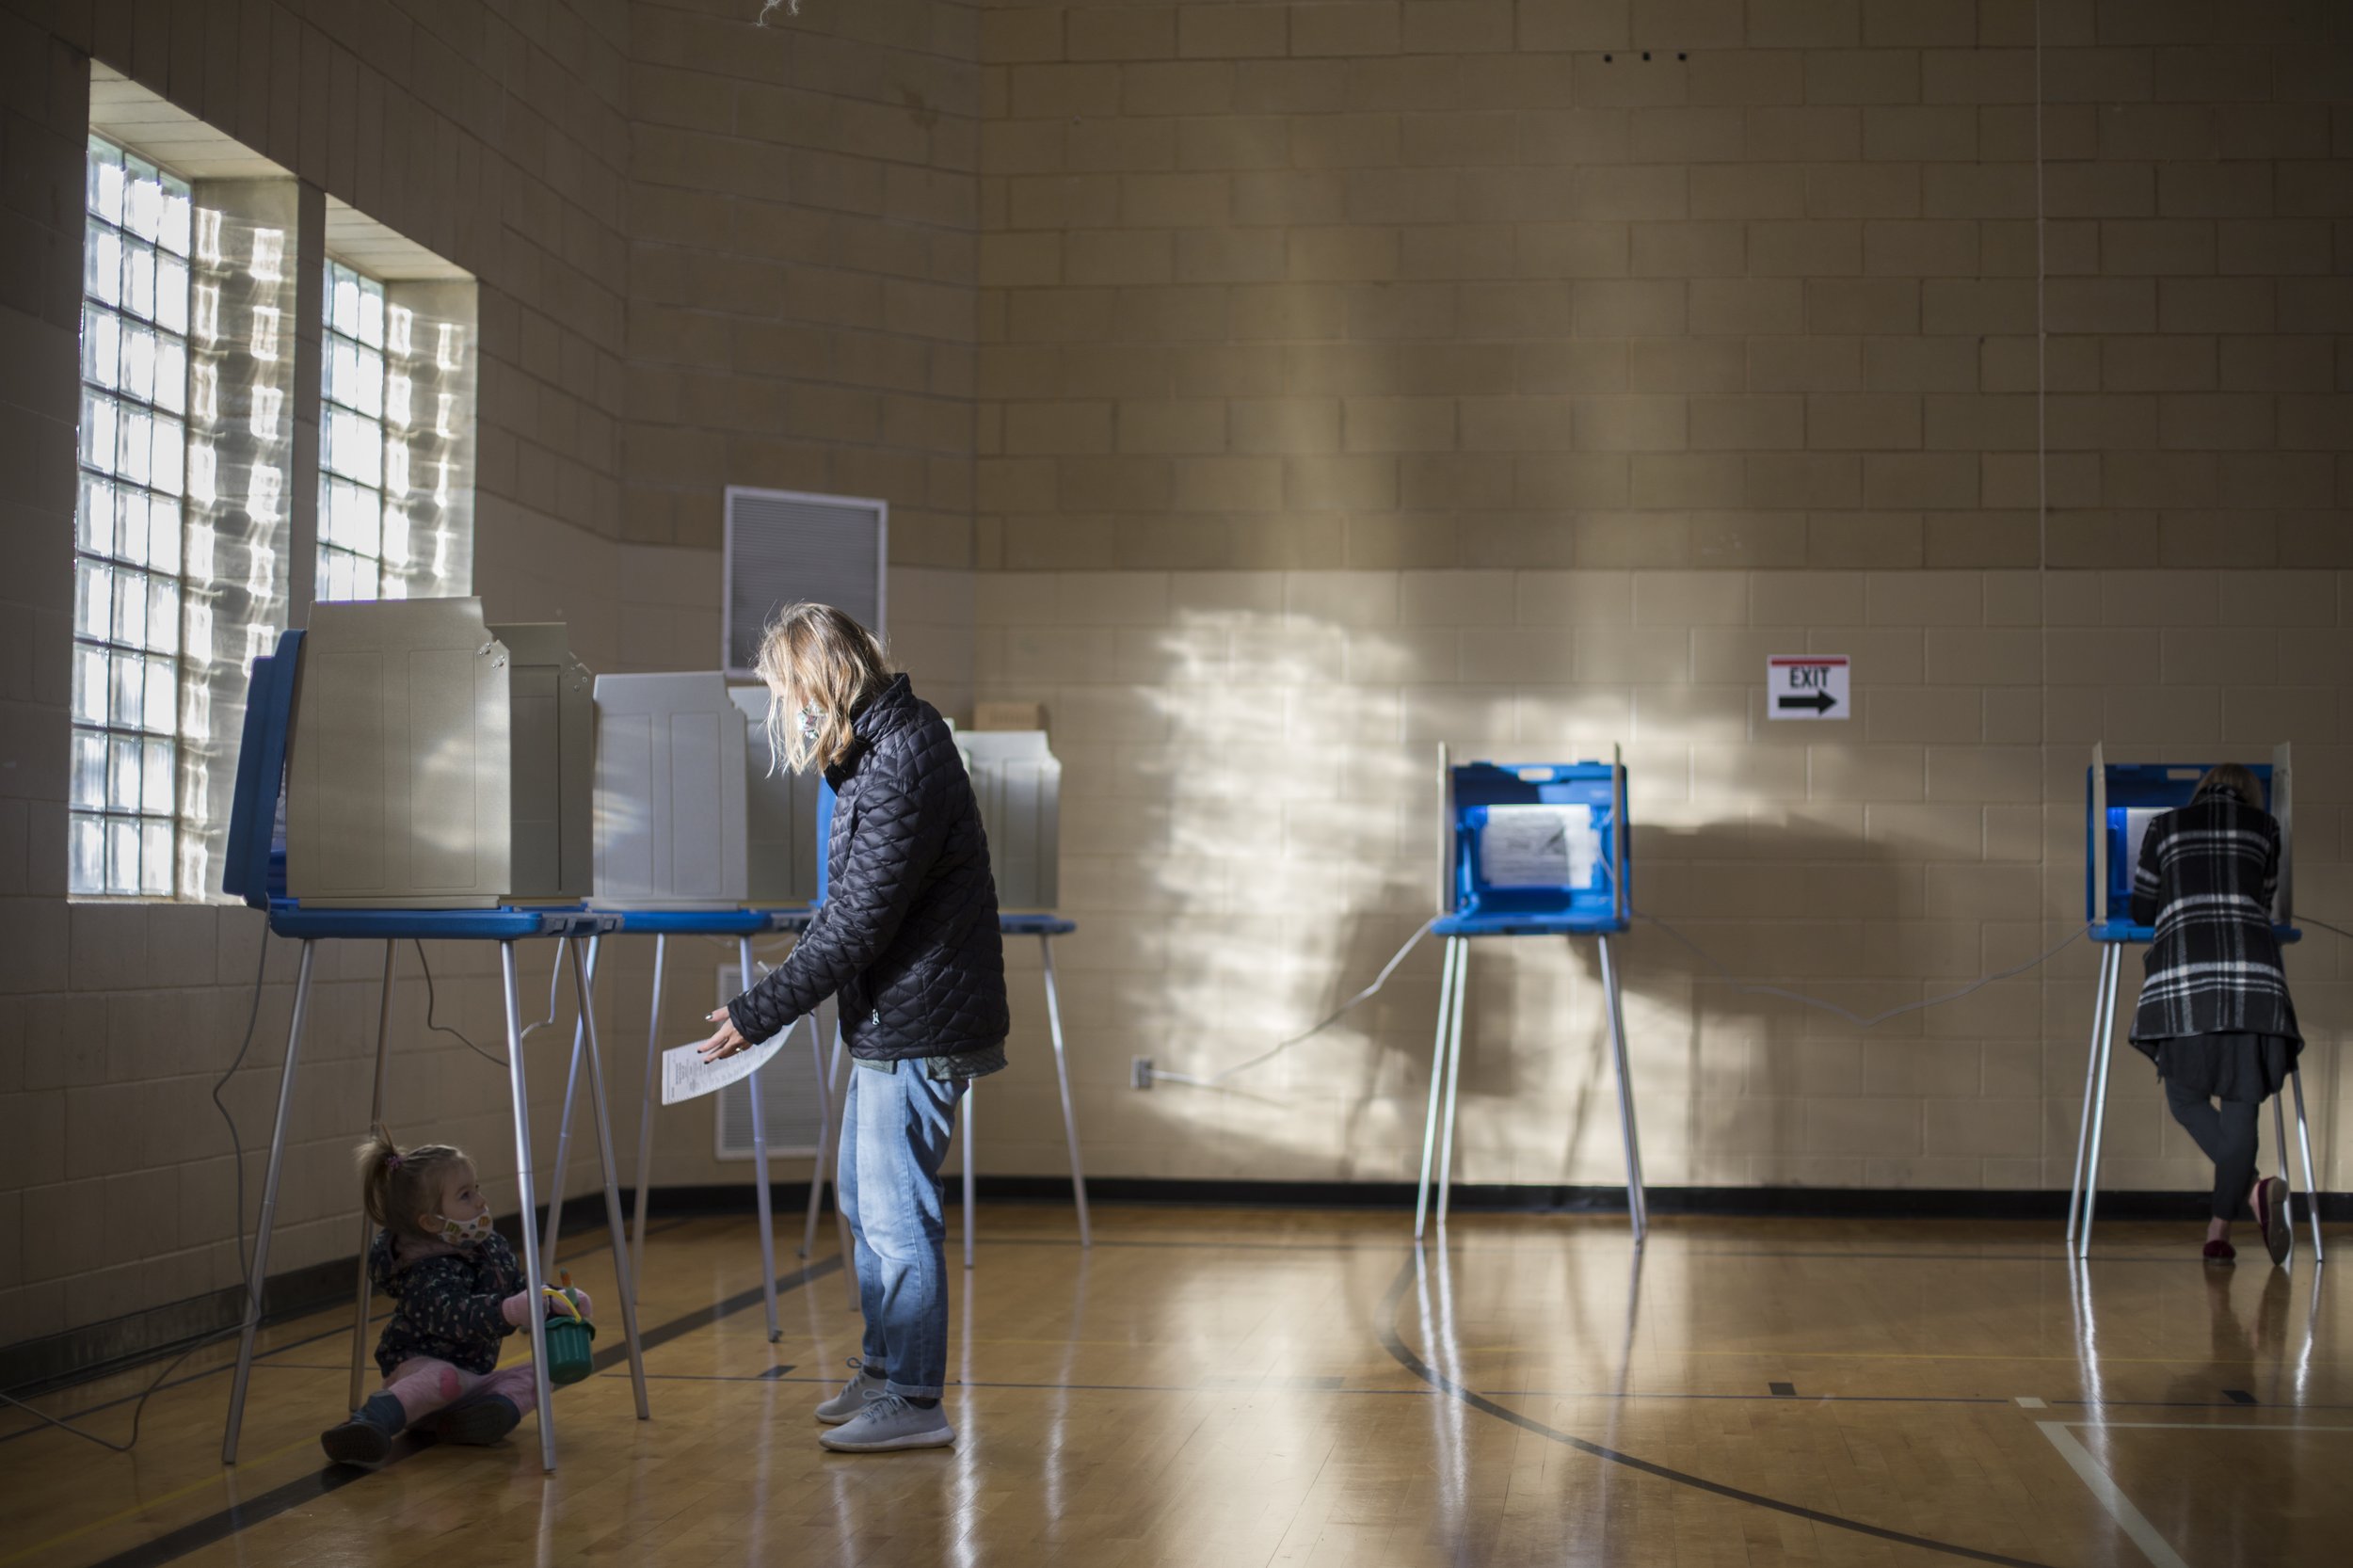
x: 366, y: 1439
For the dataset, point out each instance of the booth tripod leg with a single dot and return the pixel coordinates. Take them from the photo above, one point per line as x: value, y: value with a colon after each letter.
x: 762, y: 1196
x: 1438, y: 1078
x: 837, y: 1103
x: 963, y: 1136
x: 828, y: 1136
x: 624, y: 1275
x: 564, y: 1124
x: 1637, y: 1201
x: 367, y: 1226
x: 534, y: 1279
x: 2091, y: 1076
x: 646, y: 1109
x: 2312, y: 1176
x: 2100, y: 1099
x: 1062, y: 1077
x: 2287, y: 1183
x: 269, y: 1212
x: 1453, y: 1080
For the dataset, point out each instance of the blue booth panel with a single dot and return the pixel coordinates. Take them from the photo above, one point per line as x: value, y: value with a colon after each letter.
x: 1536, y: 848
x: 2121, y: 800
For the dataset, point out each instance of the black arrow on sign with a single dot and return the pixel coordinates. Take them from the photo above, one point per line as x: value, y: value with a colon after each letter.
x: 1821, y: 702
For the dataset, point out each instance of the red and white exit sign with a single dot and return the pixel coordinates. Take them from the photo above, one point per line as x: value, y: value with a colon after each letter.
x: 1806, y: 686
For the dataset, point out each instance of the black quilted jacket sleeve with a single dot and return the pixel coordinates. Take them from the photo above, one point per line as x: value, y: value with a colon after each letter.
x: 908, y: 935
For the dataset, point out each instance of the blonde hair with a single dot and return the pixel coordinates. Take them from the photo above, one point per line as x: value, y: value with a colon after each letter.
x: 815, y: 656
x: 397, y: 1185
x: 2230, y: 778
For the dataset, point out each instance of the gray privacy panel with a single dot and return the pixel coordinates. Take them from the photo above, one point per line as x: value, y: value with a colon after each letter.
x: 398, y: 792
x: 554, y: 790
x: 783, y: 546
x: 670, y: 793
x: 1019, y: 784
x: 781, y: 831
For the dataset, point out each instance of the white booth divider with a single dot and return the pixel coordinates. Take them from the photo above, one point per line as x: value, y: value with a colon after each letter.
x: 554, y: 852
x: 1019, y: 784
x: 671, y: 825
x: 398, y: 786
x: 780, y: 830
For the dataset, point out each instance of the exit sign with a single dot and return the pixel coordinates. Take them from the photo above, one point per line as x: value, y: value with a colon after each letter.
x: 1806, y: 686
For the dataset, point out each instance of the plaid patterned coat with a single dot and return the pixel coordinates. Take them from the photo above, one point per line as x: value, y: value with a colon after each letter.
x: 2206, y: 879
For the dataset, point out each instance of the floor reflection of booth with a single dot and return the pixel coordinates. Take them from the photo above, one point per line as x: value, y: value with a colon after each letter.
x: 1537, y: 849
x: 2121, y: 799
x: 389, y: 731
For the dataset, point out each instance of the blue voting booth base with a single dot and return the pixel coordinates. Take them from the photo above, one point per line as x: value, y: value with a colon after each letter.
x: 256, y: 872
x: 1529, y: 849
x: 2120, y: 799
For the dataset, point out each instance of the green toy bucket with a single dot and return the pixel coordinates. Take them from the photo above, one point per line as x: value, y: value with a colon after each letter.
x: 570, y: 1356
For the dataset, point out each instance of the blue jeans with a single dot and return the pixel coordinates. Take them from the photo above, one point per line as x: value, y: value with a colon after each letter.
x: 894, y: 1135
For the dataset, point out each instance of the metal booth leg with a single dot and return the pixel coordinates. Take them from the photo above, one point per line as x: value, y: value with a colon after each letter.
x: 645, y: 1109
x: 2091, y: 1077
x: 563, y: 1126
x: 1637, y: 1201
x: 1061, y: 1076
x: 824, y: 1132
x: 762, y: 1196
x: 2287, y: 1183
x: 367, y: 1226
x: 965, y: 1137
x: 534, y: 1280
x: 834, y: 1075
x: 1453, y: 1078
x: 1438, y: 1078
x: 2312, y: 1176
x: 623, y: 1274
x: 269, y: 1213
x: 2099, y: 1098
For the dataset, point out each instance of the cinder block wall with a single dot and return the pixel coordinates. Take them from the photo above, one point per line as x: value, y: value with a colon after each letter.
x: 1358, y: 376
x: 707, y: 254
x: 1334, y: 379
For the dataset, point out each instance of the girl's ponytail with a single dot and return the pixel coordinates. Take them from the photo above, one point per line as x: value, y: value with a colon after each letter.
x: 397, y: 1185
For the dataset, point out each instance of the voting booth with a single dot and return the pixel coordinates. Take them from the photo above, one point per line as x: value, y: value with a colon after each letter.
x: 388, y: 736
x: 1527, y: 848
x: 671, y: 823
x: 1019, y: 784
x: 2121, y: 801
x: 780, y: 815
x: 553, y: 776
x: 1026, y: 781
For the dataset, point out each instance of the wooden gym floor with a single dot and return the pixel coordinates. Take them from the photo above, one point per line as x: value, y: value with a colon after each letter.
x: 1225, y: 1389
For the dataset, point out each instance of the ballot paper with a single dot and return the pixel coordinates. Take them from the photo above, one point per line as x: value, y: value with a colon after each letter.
x: 686, y: 1076
x: 1539, y: 846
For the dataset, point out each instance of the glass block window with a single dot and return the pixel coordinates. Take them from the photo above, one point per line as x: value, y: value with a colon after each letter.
x: 363, y: 477
x: 123, y: 829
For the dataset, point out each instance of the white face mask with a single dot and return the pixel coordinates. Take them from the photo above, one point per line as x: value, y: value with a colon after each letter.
x: 811, y: 722
x: 462, y: 1233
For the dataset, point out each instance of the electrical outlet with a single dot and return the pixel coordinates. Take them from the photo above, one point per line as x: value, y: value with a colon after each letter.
x: 1141, y: 1072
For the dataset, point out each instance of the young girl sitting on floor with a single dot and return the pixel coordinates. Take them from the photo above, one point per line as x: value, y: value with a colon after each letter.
x: 458, y: 1292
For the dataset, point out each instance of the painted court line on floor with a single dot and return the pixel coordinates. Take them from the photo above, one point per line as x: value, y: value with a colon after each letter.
x: 2134, y: 1523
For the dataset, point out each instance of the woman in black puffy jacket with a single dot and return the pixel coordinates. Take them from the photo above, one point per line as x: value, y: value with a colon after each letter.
x: 907, y: 940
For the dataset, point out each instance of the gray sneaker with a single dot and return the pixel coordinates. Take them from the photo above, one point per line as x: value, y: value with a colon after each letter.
x: 890, y: 1423
x: 864, y: 1386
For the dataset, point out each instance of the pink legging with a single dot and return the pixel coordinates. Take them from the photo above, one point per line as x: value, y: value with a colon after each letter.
x: 426, y: 1387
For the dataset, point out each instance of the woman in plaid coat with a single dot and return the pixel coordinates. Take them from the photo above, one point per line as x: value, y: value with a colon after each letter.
x: 2215, y: 1014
